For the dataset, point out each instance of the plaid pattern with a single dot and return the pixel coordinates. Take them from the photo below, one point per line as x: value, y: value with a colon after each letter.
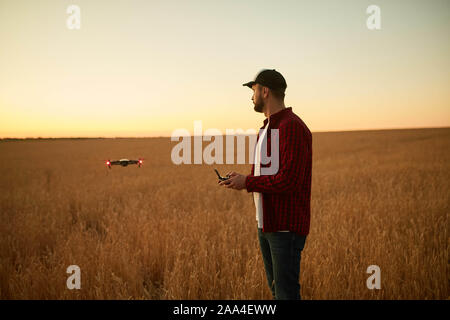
x: 286, y: 195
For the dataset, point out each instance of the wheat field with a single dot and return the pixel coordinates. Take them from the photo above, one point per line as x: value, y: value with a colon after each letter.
x: 168, y: 231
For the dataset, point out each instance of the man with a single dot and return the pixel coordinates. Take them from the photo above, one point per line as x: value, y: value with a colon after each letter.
x: 282, y: 199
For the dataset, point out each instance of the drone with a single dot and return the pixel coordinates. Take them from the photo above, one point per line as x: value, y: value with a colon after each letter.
x: 124, y: 162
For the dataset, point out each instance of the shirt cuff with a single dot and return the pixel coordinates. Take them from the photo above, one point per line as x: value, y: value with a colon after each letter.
x: 249, y: 183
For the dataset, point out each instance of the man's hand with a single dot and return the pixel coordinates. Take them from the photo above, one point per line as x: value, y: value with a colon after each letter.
x: 236, y: 181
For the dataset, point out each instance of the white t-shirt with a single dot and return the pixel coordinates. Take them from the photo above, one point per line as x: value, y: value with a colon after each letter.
x: 257, y: 196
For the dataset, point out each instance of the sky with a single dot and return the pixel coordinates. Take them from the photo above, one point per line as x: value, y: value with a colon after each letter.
x: 147, y: 68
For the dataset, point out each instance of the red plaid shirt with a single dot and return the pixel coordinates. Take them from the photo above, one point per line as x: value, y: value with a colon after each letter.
x: 286, y: 195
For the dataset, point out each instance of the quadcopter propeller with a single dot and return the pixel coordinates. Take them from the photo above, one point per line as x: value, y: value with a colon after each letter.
x: 108, y: 163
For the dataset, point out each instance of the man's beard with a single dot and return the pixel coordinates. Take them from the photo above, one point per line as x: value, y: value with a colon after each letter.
x: 259, y: 106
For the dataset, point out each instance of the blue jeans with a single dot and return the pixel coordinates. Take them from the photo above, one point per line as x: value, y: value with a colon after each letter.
x: 281, y: 252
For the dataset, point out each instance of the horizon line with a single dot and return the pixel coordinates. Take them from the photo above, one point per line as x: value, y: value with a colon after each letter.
x: 148, y: 137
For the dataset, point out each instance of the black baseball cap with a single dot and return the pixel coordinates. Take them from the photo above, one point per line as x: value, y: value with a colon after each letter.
x: 269, y: 78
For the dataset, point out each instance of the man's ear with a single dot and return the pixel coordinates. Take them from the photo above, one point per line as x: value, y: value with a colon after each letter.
x: 265, y: 92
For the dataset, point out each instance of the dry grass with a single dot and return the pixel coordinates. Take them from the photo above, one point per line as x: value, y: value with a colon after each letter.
x: 169, y: 232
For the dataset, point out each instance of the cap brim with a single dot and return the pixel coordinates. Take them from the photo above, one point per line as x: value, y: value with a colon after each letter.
x: 249, y: 84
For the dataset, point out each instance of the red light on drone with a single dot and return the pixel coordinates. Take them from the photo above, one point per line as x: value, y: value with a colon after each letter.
x: 107, y: 162
x: 140, y: 161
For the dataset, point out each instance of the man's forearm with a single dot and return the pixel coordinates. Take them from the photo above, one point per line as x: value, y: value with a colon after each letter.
x: 281, y: 183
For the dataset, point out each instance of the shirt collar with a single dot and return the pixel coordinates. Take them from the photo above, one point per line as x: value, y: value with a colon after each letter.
x: 277, y: 116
